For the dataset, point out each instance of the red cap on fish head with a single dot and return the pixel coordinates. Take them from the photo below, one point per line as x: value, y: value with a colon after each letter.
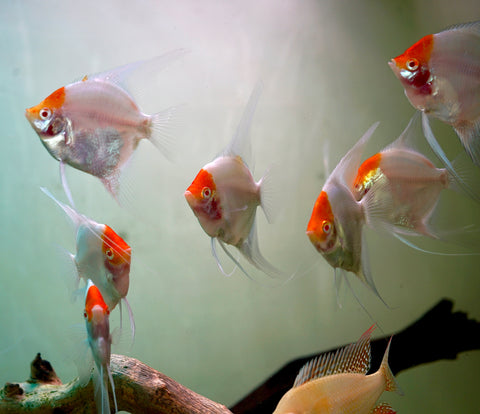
x: 116, y: 250
x: 321, y: 229
x: 201, y: 196
x: 415, y: 60
x: 45, y: 108
x: 94, y: 298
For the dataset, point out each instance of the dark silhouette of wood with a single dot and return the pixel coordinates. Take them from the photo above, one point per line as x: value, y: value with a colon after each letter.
x: 438, y: 334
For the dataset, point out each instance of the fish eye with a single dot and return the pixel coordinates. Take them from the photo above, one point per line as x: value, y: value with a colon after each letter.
x: 45, y: 113
x: 412, y: 64
x: 327, y: 227
x: 206, y: 192
x: 109, y: 254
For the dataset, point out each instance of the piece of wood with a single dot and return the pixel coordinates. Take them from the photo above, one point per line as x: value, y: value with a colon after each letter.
x: 139, y: 389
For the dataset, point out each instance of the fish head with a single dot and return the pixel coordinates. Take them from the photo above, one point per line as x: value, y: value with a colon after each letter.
x: 49, y: 122
x: 335, y: 228
x: 96, y: 310
x: 412, y: 68
x: 117, y: 260
x: 96, y: 316
x: 203, y: 199
x: 321, y: 228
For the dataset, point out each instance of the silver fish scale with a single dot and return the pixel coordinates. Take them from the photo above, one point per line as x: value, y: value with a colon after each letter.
x: 96, y: 152
x: 354, y: 358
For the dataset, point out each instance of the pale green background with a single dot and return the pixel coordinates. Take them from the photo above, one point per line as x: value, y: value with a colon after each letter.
x: 325, y: 74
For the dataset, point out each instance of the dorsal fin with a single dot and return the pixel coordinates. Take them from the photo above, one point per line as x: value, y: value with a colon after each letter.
x: 353, y: 358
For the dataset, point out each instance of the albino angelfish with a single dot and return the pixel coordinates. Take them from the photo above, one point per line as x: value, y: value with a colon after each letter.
x: 224, y: 197
x: 96, y: 316
x: 95, y: 125
x: 441, y: 77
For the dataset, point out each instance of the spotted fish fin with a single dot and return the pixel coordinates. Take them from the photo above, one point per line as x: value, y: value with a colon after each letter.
x: 383, y: 408
x: 353, y: 358
x: 391, y: 382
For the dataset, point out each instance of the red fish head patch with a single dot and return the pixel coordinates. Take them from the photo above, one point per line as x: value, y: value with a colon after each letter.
x: 321, y: 227
x: 202, y: 197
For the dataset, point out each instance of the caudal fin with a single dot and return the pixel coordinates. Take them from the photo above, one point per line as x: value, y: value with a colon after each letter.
x: 163, y: 128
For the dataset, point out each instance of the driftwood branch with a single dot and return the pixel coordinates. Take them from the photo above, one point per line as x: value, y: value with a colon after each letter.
x: 139, y: 389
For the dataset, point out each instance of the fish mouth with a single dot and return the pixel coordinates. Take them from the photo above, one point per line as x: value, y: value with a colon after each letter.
x: 189, y: 197
x: 393, y: 65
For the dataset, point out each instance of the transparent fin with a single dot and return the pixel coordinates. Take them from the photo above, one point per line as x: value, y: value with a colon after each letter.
x: 130, y: 317
x: 75, y: 217
x: 214, y: 253
x: 237, y: 263
x: 271, y: 193
x: 430, y: 137
x: 470, y: 137
x: 163, y: 128
x: 112, y: 384
x: 346, y: 170
x: 251, y: 252
x: 66, y: 188
x: 240, y: 144
x: 120, y: 74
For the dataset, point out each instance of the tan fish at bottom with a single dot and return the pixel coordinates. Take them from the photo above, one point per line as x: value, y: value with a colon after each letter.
x: 337, y: 383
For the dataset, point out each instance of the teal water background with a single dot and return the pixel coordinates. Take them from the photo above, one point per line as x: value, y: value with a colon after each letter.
x: 326, y: 78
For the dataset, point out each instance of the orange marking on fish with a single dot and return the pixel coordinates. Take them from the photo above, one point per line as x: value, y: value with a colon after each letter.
x: 115, y: 248
x: 322, y: 216
x: 420, y: 51
x: 203, y: 180
x: 94, y: 298
x: 367, y: 171
x: 53, y: 101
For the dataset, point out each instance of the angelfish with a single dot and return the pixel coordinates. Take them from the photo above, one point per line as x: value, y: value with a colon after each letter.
x: 95, y: 125
x: 395, y: 191
x: 224, y: 197
x: 96, y: 316
x: 338, y: 383
x: 102, y: 256
x: 441, y: 77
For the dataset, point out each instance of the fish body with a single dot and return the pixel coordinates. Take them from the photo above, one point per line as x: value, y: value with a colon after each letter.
x: 337, y: 383
x: 405, y: 184
x: 101, y: 255
x: 441, y: 77
x: 336, y: 224
x: 96, y: 316
x: 395, y: 191
x: 95, y: 125
x: 224, y: 197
